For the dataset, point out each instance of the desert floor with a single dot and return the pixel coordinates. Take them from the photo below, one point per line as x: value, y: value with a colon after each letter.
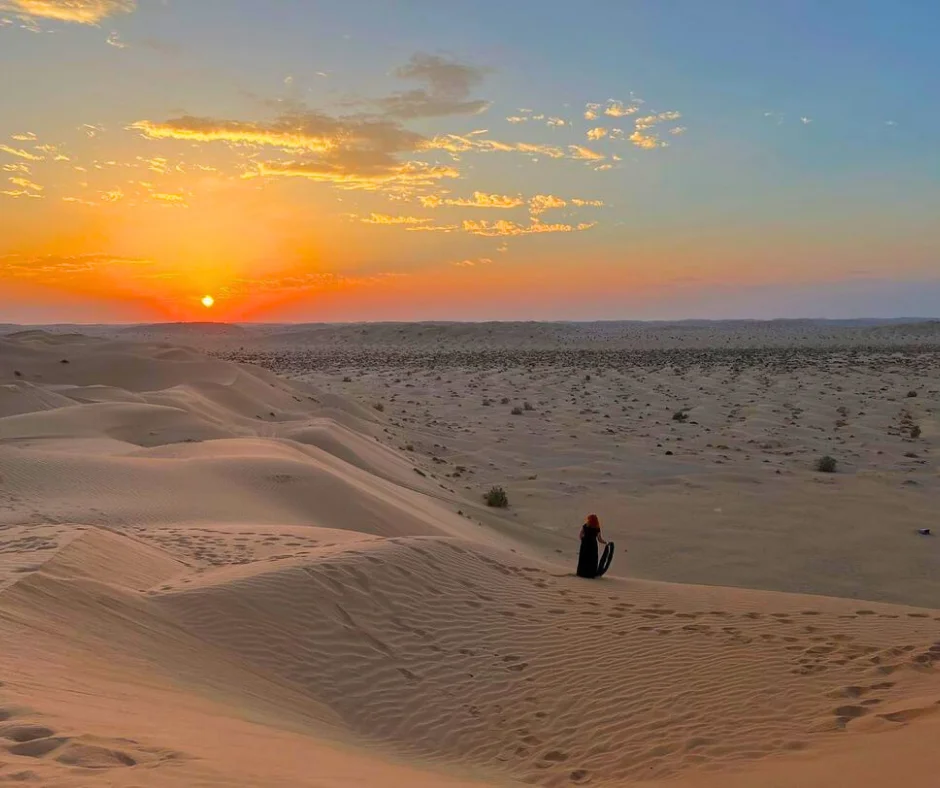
x: 261, y: 556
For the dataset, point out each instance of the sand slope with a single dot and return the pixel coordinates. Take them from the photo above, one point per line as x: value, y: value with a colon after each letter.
x: 210, y: 576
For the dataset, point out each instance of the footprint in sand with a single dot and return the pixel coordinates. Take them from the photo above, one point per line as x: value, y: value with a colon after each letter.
x: 849, y: 712
x: 551, y: 757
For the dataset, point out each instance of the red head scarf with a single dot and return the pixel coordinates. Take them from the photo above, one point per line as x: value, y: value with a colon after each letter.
x: 593, y: 521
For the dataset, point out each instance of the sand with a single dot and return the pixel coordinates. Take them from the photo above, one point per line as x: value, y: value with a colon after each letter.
x: 212, y: 574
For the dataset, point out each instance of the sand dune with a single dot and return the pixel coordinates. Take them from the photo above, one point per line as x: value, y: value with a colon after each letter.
x: 213, y: 576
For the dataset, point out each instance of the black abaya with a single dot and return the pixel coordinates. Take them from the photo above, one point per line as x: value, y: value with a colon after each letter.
x: 587, y: 555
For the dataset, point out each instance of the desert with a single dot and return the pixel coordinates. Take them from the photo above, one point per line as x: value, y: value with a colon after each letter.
x: 261, y: 555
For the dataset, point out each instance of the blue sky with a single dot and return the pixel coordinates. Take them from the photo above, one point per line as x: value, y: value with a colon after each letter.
x: 789, y: 145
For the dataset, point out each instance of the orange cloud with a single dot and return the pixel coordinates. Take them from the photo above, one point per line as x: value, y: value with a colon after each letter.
x: 25, y: 183
x: 434, y: 228
x: 597, y: 133
x: 19, y: 193
x: 505, y: 228
x: 579, y: 152
x: 311, y: 135
x: 617, y: 109
x: 453, y: 143
x: 52, y: 267
x: 353, y: 152
x: 408, y: 175
x: 383, y: 218
x: 478, y: 200
x: 645, y: 136
x: 172, y: 199
x: 544, y: 202
x: 18, y: 152
x: 85, y: 12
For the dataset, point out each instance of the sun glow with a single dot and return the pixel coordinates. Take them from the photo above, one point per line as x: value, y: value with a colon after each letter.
x: 207, y: 301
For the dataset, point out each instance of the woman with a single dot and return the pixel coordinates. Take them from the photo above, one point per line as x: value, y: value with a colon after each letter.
x: 587, y: 556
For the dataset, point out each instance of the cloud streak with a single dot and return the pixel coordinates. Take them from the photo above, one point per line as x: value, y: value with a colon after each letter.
x: 454, y: 143
x: 383, y: 218
x: 83, y: 12
x: 477, y: 200
x: 409, y: 175
x: 20, y: 153
x: 55, y: 267
x: 506, y: 228
x: 353, y: 151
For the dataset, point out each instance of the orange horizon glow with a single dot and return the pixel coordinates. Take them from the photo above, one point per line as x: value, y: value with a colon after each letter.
x: 408, y: 183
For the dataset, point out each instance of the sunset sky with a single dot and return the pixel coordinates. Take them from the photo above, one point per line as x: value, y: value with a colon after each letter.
x: 318, y: 160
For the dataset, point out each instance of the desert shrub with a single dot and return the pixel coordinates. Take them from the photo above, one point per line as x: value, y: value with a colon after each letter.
x: 527, y: 406
x: 504, y: 401
x: 915, y: 431
x: 680, y: 415
x: 379, y: 407
x: 496, y: 497
x: 347, y: 379
x: 826, y: 464
x: 517, y: 411
x: 912, y: 393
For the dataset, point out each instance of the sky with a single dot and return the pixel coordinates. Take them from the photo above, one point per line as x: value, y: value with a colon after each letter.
x: 318, y: 160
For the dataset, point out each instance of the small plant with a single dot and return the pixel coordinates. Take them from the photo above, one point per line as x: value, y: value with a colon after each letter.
x: 527, y: 405
x: 496, y: 497
x: 379, y: 407
x: 517, y: 411
x: 826, y: 464
x: 504, y: 401
x: 680, y: 416
x: 915, y: 431
x: 347, y: 379
x: 912, y: 393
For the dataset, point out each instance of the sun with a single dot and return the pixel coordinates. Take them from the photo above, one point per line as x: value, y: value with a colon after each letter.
x: 207, y: 301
